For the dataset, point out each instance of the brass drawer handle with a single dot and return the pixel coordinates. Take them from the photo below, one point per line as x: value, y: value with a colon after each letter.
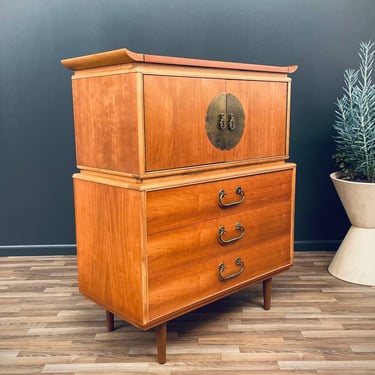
x: 222, y: 194
x: 222, y: 230
x: 238, y: 262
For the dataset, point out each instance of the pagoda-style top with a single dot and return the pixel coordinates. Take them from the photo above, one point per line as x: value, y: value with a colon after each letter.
x: 125, y: 56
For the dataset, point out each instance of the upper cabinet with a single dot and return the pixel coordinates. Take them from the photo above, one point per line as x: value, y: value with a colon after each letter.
x: 141, y: 114
x: 216, y: 121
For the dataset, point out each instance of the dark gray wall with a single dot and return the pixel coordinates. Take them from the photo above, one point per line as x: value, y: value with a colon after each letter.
x: 37, y: 155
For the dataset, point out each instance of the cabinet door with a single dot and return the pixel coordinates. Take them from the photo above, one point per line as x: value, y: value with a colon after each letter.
x: 175, y: 118
x: 265, y: 108
x: 175, y: 113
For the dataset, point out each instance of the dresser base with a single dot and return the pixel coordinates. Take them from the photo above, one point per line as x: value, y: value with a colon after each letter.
x: 161, y: 329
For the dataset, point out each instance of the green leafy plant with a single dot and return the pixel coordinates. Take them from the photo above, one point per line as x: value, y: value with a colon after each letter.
x: 355, y: 120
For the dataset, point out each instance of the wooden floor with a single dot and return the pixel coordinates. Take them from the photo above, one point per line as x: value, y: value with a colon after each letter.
x: 317, y: 325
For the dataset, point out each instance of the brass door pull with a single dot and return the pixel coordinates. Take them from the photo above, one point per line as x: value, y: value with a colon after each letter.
x: 231, y: 121
x: 222, y: 230
x: 221, y: 121
x: 238, y: 262
x: 222, y: 194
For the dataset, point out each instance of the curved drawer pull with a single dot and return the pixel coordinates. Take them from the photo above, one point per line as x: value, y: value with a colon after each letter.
x: 222, y: 231
x: 238, y: 262
x: 222, y: 194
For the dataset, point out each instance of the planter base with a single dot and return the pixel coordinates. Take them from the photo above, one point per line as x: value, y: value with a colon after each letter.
x: 356, y: 266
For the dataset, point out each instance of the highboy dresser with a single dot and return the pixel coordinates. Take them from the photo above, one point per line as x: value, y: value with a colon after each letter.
x: 184, y: 195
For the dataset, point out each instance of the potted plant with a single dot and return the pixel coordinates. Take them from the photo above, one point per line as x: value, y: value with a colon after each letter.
x: 355, y: 180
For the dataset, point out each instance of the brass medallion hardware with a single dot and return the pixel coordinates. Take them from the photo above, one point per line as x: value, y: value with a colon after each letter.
x: 237, y: 262
x: 225, y: 121
x: 222, y: 231
x: 222, y: 194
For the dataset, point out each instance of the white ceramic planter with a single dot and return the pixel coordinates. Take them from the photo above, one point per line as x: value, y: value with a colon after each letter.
x: 355, y: 258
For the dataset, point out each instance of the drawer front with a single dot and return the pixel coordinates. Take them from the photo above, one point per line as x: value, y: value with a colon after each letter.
x: 176, y: 109
x: 183, y: 264
x: 172, y: 208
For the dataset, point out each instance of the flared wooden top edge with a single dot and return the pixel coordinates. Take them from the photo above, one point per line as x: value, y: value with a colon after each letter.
x: 124, y: 56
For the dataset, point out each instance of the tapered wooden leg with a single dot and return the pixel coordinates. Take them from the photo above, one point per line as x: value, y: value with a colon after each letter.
x: 267, y: 289
x: 161, y: 340
x: 110, y: 319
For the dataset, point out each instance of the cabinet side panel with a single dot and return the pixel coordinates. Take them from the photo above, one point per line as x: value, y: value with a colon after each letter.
x: 109, y: 247
x: 105, y: 121
x: 292, y: 223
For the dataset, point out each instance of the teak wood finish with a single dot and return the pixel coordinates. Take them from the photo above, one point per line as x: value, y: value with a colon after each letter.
x: 166, y: 222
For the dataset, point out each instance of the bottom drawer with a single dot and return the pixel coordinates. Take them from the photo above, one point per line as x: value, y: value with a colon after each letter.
x: 183, y: 264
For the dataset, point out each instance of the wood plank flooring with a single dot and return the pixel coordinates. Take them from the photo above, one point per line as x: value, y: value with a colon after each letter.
x: 317, y: 325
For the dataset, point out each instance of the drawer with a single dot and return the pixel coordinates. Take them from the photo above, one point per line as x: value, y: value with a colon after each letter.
x: 183, y: 264
x: 172, y: 208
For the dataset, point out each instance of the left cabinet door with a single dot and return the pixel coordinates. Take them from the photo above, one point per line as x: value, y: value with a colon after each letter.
x: 175, y: 119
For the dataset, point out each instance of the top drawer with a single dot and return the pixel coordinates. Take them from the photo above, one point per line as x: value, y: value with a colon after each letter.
x: 172, y: 208
x: 177, y: 121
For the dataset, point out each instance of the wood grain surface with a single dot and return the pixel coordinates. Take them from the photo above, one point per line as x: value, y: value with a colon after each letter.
x: 317, y: 325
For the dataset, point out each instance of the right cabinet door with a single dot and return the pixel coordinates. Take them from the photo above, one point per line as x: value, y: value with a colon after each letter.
x: 265, y: 106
